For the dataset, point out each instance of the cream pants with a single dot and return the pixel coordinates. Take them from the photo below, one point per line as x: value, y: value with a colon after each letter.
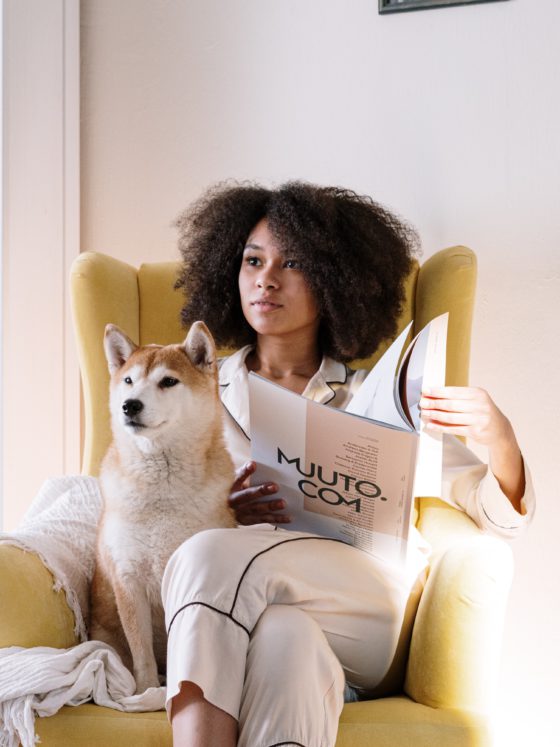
x: 270, y: 623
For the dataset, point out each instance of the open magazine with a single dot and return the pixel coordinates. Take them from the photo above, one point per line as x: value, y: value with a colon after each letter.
x: 352, y: 474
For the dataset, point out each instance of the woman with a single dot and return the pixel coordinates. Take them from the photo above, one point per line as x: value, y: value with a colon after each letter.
x: 265, y: 626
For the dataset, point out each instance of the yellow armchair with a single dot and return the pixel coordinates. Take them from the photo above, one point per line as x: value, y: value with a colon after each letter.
x: 447, y: 691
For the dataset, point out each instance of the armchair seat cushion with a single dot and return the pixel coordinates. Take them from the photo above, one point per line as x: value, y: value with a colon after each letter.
x: 91, y: 725
x: 400, y: 722
x: 389, y: 722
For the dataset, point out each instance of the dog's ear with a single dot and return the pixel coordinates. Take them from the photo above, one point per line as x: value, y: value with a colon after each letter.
x: 200, y: 347
x: 118, y: 347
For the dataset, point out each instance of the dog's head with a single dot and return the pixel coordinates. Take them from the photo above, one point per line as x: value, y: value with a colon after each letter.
x: 156, y: 389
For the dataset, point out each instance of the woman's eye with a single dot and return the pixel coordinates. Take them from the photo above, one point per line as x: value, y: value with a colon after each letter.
x: 167, y: 382
x: 252, y: 261
x: 291, y: 264
x: 128, y: 380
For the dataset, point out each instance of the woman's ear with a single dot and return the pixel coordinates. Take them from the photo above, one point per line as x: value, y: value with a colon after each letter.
x: 118, y: 347
x: 200, y: 347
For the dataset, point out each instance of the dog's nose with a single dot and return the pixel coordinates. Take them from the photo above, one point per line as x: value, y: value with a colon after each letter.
x: 132, y: 407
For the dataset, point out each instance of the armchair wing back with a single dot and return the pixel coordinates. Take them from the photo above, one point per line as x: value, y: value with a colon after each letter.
x: 145, y: 304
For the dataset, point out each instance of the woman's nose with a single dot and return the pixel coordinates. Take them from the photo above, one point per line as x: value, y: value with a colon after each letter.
x: 267, y: 279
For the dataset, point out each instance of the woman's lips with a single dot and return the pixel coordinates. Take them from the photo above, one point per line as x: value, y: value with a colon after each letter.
x: 265, y: 306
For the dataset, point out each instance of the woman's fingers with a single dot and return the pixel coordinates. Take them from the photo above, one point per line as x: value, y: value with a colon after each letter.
x: 246, y: 496
x: 263, y: 507
x: 241, y: 476
x: 448, y: 405
x: 442, y: 417
x: 456, y: 399
x: 263, y: 511
x: 463, y: 411
x: 247, y: 501
x: 248, y: 506
x: 248, y: 519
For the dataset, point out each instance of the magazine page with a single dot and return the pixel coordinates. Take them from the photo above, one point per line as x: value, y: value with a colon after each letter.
x: 394, y: 398
x: 426, y: 368
x: 341, y: 476
x: 422, y: 365
x: 375, y: 398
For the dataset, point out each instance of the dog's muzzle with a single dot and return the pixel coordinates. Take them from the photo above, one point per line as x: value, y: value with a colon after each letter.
x: 131, y: 409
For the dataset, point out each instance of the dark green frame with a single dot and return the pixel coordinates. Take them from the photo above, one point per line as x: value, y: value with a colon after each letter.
x: 391, y: 6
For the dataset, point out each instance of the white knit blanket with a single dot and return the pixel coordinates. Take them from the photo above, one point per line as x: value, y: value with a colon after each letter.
x: 60, y: 527
x: 41, y: 680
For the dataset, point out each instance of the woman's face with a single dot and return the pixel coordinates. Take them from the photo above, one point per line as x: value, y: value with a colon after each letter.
x: 275, y: 298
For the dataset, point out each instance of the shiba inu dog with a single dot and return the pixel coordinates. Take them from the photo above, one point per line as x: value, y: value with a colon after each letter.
x: 167, y: 475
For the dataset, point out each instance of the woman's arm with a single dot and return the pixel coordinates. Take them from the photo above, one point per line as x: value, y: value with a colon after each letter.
x: 471, y: 412
x: 460, y: 411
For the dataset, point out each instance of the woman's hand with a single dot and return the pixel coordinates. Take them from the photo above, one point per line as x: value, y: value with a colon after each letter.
x: 471, y: 412
x: 465, y: 411
x: 248, y: 504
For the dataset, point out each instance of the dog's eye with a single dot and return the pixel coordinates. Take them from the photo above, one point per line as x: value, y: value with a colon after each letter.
x: 168, y: 382
x: 128, y: 380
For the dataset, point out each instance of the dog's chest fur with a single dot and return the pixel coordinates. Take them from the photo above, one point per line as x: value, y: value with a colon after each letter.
x: 152, y: 504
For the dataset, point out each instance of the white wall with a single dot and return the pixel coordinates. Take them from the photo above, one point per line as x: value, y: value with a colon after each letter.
x: 1, y: 267
x: 40, y: 386
x: 449, y: 116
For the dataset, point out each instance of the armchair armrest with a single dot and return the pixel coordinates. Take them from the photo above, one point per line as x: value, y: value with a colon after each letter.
x: 456, y: 641
x: 32, y: 612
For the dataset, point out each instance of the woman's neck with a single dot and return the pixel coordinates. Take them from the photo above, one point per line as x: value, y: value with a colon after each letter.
x: 290, y: 364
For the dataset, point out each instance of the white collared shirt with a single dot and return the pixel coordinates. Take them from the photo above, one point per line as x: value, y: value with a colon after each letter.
x: 468, y: 484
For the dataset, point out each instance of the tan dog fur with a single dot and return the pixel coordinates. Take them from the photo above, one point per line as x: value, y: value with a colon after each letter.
x: 167, y: 475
